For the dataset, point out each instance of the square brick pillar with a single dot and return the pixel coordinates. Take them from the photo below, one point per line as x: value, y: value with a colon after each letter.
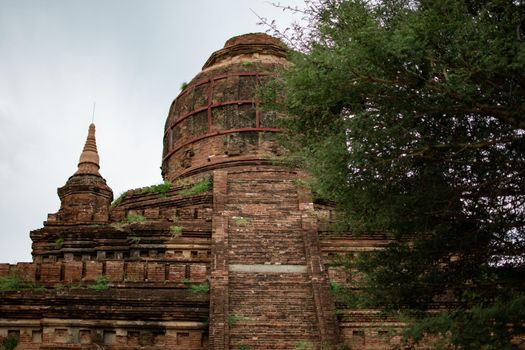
x: 219, y: 328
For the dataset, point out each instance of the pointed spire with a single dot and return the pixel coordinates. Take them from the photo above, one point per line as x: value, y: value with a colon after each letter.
x: 89, y: 160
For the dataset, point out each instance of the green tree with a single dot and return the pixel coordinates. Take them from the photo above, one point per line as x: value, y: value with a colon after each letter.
x: 410, y: 116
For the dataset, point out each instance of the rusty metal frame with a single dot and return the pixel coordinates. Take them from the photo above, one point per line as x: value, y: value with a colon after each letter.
x: 219, y: 77
x: 210, y: 106
x: 218, y: 133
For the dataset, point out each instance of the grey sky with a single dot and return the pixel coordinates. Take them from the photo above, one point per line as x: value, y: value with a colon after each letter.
x: 131, y: 57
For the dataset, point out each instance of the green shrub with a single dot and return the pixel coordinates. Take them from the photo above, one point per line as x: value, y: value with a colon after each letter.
x: 240, y: 221
x: 303, y: 344
x: 131, y: 218
x: 233, y: 319
x: 8, y: 343
x: 183, y: 86
x: 200, y: 288
x: 135, y: 218
x: 101, y: 283
x: 202, y: 186
x: 12, y: 282
x: 59, y: 242
x: 161, y: 189
x: 135, y: 239
x: 176, y: 230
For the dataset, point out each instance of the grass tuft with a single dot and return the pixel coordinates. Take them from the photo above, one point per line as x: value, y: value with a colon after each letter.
x: 202, y: 186
x: 101, y: 283
x: 119, y: 199
x: 175, y: 231
x: 200, y: 288
x: 240, y: 221
x: 59, y: 242
x: 160, y: 189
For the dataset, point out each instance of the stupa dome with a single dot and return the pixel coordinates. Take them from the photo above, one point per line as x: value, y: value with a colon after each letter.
x: 216, y: 121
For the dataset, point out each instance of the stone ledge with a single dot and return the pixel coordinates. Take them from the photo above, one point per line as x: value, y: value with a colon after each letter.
x: 266, y: 268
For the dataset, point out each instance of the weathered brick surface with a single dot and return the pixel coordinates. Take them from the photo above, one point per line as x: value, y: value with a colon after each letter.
x: 115, y: 270
x: 176, y: 273
x: 198, y: 273
x: 4, y: 270
x: 73, y: 271
x: 258, y: 217
x: 156, y: 272
x: 26, y: 271
x: 50, y: 272
x: 275, y: 311
x: 135, y: 271
x: 93, y: 269
x: 261, y: 225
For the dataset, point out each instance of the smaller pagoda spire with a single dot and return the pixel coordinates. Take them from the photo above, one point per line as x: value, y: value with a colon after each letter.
x: 89, y: 160
x: 85, y: 197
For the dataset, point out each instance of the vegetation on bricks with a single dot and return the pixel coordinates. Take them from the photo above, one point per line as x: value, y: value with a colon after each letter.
x: 160, y: 189
x: 101, y: 283
x: 233, y: 319
x: 59, y: 242
x: 303, y: 345
x: 175, y: 230
x: 13, y: 282
x: 202, y: 186
x: 131, y: 218
x: 135, y: 239
x: 200, y: 288
x: 240, y: 221
x: 119, y: 199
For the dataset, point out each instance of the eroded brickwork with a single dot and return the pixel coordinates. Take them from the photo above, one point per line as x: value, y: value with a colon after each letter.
x: 232, y: 254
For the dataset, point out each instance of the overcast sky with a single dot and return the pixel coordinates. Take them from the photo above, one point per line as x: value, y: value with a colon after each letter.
x: 131, y: 57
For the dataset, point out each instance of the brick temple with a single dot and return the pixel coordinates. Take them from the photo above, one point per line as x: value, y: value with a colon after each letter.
x: 231, y: 252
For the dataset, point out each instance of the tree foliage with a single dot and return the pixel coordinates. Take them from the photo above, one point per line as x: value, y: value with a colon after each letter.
x: 410, y: 116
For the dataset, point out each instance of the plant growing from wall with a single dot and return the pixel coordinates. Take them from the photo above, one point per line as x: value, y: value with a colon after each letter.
x: 244, y: 347
x: 101, y: 283
x: 240, y: 221
x: 200, y: 288
x: 201, y: 186
x: 131, y: 218
x: 160, y: 189
x: 183, y: 86
x: 59, y: 242
x: 233, y: 319
x: 12, y: 282
x: 135, y: 239
x: 303, y: 345
x: 176, y: 231
x: 119, y: 199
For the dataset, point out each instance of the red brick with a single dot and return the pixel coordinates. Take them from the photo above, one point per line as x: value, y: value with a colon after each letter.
x: 93, y: 270
x: 73, y: 271
x: 115, y: 270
